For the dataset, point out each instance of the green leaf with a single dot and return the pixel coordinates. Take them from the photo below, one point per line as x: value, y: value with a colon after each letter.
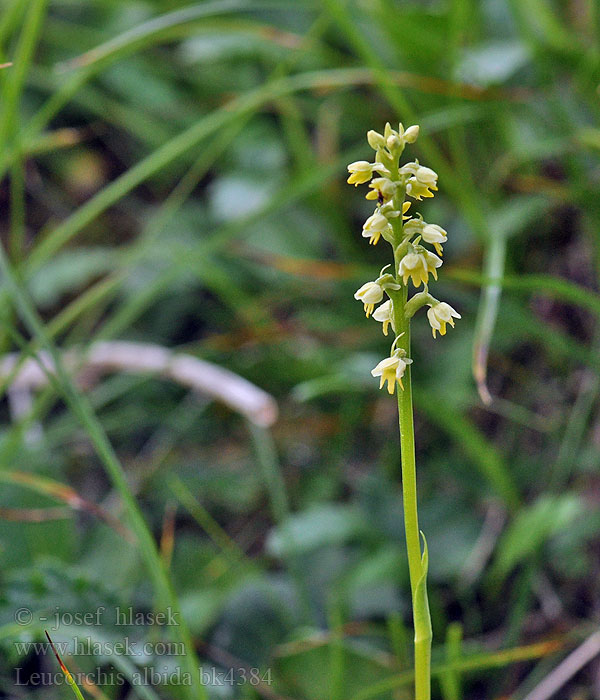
x: 532, y: 527
x: 68, y: 271
x: 492, y: 62
x: 317, y: 527
x: 422, y: 618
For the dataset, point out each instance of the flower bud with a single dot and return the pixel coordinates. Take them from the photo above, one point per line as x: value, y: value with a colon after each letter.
x: 393, y: 142
x: 375, y: 140
x: 411, y: 134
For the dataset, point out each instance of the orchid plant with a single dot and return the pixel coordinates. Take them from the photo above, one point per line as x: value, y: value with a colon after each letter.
x: 413, y: 263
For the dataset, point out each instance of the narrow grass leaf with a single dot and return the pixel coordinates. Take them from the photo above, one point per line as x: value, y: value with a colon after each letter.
x: 69, y: 678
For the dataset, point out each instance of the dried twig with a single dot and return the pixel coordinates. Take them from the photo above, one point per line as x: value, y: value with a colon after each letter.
x: 201, y: 376
x: 563, y: 673
x: 495, y: 518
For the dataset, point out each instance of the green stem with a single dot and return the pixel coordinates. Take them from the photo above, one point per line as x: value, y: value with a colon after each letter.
x: 407, y: 446
x: 417, y: 562
x: 421, y: 618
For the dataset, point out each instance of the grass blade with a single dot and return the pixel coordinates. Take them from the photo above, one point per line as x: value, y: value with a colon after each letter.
x: 475, y: 662
x: 82, y: 410
x: 69, y: 678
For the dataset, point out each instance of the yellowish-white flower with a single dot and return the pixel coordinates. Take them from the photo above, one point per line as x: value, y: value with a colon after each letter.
x: 391, y: 370
x: 434, y: 234
x: 418, y: 190
x: 361, y: 171
x: 418, y: 265
x: 383, y: 314
x: 370, y: 294
x: 413, y: 227
x: 409, y: 169
x: 439, y: 315
x: 390, y: 212
x: 421, y: 181
x: 430, y: 233
x: 374, y: 226
x: 426, y: 176
x: 382, y: 189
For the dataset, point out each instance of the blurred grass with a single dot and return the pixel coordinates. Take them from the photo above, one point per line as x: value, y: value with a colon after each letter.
x: 174, y: 173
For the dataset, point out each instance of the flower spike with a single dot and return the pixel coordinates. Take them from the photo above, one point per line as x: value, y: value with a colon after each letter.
x: 389, y: 186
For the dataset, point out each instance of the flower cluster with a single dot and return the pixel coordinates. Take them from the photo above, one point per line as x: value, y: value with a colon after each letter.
x: 389, y: 185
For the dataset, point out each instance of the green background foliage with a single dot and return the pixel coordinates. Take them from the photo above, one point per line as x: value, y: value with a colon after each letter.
x: 174, y: 173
